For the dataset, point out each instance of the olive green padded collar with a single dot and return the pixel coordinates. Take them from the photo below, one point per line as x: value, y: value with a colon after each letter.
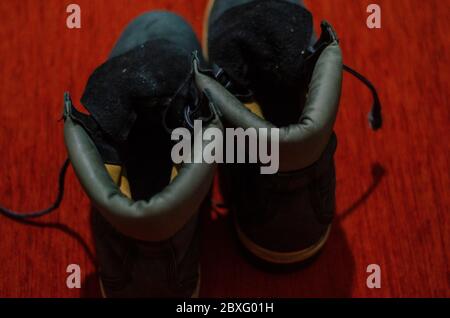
x: 302, y: 143
x: 155, y: 219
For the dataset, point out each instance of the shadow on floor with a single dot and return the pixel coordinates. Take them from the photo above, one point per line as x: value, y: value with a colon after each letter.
x: 229, y: 271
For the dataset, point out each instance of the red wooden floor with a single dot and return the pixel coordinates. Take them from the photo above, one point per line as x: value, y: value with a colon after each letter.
x: 398, y: 219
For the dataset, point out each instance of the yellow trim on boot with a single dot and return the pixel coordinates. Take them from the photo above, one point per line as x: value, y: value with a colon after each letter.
x: 208, y: 9
x: 114, y: 171
x: 281, y: 257
x: 119, y: 177
x: 255, y: 109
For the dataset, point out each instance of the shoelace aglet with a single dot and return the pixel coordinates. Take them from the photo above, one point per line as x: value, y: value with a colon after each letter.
x: 374, y: 116
x: 67, y: 108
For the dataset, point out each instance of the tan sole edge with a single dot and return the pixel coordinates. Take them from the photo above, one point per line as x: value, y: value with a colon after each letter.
x: 102, y: 289
x: 279, y: 257
x: 196, y: 293
x: 205, y: 29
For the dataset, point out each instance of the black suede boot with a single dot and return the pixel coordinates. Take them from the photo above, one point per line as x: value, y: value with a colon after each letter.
x: 267, y: 48
x: 145, y: 217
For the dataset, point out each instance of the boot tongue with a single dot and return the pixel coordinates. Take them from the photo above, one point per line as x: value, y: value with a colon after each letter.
x: 137, y: 83
x: 261, y: 40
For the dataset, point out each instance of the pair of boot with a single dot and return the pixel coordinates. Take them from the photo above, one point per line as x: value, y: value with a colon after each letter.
x: 262, y: 68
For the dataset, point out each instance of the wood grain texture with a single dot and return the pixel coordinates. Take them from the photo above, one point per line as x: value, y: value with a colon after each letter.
x: 402, y: 223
